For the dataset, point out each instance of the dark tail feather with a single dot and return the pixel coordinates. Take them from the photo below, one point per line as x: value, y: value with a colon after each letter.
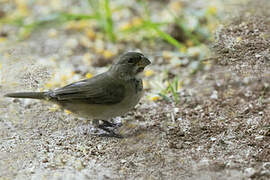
x: 32, y: 95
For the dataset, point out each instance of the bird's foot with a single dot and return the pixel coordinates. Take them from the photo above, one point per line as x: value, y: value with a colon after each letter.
x: 108, y: 127
x: 110, y: 124
x: 110, y: 133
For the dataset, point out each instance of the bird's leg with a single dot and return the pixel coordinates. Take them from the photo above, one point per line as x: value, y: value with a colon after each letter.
x: 110, y: 124
x: 110, y: 133
x: 104, y: 126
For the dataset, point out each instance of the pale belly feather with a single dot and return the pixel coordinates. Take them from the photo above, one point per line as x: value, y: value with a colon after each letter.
x: 97, y: 111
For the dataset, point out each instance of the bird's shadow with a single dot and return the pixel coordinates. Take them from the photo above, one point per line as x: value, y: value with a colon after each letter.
x: 120, y: 132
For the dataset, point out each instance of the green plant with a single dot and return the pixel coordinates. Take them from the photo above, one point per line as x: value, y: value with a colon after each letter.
x: 103, y: 13
x: 56, y: 18
x: 171, y: 93
x: 148, y: 25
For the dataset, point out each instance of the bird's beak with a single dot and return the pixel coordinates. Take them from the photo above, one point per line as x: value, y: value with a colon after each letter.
x: 143, y: 62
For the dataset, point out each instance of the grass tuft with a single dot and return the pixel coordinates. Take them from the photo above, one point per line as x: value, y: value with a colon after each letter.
x: 171, y: 93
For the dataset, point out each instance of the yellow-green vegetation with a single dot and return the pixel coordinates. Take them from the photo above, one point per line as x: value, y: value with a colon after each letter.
x: 101, y: 13
x: 173, y: 87
x: 182, y: 26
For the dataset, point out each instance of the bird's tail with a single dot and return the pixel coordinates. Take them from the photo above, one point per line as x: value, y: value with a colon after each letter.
x: 32, y: 95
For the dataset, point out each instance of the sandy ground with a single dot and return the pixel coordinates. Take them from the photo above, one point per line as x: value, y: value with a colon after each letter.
x: 219, y: 130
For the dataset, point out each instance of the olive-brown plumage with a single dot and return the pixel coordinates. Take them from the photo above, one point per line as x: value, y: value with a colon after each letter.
x: 110, y: 94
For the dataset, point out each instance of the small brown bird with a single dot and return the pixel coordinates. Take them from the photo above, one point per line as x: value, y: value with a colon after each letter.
x: 107, y: 95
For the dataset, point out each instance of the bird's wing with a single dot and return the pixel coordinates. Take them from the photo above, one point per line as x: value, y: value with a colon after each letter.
x: 97, y: 90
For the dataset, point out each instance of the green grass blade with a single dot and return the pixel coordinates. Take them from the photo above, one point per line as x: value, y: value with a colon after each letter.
x: 166, y: 98
x: 61, y: 17
x: 167, y: 37
x: 109, y: 22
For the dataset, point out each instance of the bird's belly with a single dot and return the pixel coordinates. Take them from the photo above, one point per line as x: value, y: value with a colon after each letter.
x: 98, y: 111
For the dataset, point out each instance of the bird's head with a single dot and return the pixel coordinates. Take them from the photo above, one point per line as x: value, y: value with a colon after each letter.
x: 130, y: 64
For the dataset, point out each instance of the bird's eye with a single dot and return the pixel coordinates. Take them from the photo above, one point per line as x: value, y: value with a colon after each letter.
x: 130, y: 60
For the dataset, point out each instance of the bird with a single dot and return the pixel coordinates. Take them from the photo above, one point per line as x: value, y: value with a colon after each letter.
x: 104, y: 96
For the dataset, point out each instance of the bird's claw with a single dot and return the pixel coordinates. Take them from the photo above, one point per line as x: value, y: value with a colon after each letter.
x: 110, y: 124
x: 110, y: 133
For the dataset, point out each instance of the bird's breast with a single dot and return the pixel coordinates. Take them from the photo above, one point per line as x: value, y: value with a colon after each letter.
x: 138, y: 85
x: 133, y: 94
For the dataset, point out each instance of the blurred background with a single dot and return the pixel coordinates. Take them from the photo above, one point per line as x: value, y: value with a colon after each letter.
x: 81, y: 38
